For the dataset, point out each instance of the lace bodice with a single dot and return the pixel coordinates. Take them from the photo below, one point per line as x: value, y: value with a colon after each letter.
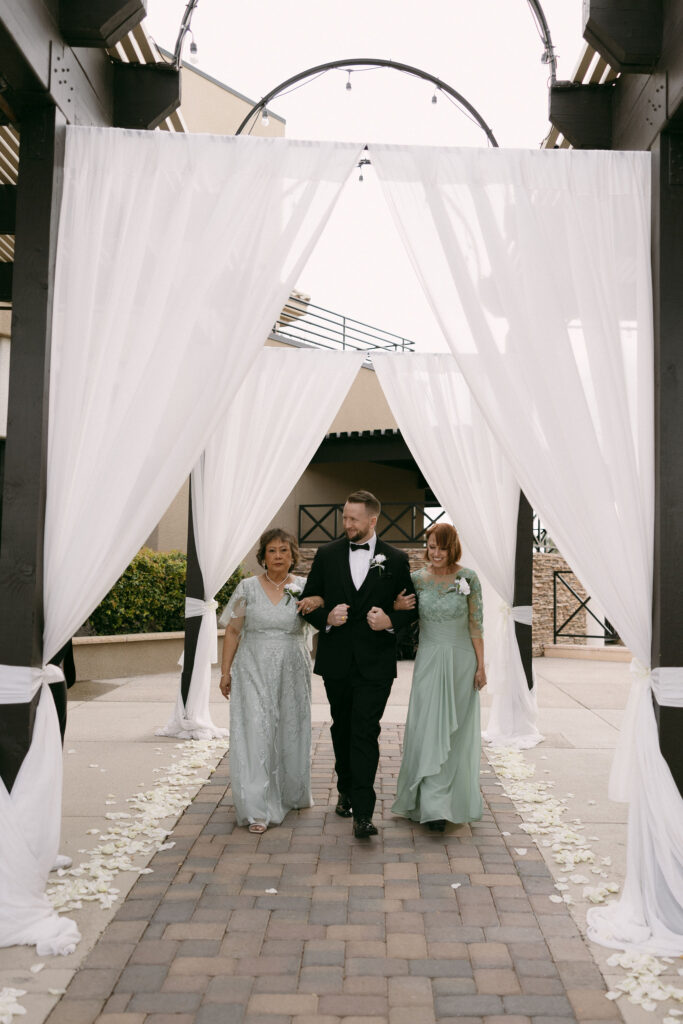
x: 250, y: 610
x: 439, y: 600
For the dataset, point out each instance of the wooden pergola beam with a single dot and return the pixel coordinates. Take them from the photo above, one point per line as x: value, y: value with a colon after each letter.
x: 583, y: 113
x: 628, y: 33
x: 101, y: 23
x: 38, y: 66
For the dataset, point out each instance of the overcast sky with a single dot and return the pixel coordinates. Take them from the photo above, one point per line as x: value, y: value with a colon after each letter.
x: 488, y: 50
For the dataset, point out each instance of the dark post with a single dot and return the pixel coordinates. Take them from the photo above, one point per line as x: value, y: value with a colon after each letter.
x: 667, y: 253
x: 524, y: 569
x: 41, y: 160
x: 194, y: 587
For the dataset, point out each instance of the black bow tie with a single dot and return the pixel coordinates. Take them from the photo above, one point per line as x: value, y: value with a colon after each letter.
x: 359, y: 547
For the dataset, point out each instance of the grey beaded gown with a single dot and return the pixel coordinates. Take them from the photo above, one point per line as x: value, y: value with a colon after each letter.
x: 270, y: 706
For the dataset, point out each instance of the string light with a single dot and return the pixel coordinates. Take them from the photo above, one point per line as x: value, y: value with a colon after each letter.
x: 348, y: 88
x: 361, y: 165
x: 194, y: 59
x: 434, y: 97
x: 265, y: 119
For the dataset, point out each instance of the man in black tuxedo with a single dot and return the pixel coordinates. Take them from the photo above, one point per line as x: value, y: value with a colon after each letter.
x: 358, y: 578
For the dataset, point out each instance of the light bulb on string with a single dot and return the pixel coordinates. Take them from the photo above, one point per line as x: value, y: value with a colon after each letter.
x: 434, y: 97
x: 194, y: 59
x: 348, y: 87
x: 265, y: 119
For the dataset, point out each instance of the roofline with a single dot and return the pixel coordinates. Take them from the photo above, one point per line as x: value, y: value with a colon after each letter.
x: 215, y: 81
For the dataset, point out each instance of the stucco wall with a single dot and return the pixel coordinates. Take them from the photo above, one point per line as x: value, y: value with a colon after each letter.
x: 209, y: 106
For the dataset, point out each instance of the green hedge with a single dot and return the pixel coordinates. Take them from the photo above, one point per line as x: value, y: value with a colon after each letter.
x: 150, y: 596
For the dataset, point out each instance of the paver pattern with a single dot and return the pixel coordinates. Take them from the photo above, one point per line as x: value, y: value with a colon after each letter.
x: 360, y: 931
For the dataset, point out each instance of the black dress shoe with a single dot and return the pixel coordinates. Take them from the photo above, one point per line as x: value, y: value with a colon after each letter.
x: 343, y: 808
x: 437, y: 826
x: 363, y: 828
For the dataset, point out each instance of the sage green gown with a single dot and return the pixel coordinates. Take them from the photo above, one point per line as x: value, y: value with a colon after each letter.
x: 439, y: 776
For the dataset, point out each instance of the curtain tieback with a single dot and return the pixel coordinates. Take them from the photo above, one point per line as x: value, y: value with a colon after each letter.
x: 20, y: 683
x: 520, y: 612
x: 666, y: 682
x: 194, y: 606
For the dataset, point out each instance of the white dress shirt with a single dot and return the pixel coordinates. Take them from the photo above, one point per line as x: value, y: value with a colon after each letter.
x: 359, y: 562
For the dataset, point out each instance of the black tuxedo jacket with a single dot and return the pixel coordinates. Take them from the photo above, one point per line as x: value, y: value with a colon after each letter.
x: 372, y: 651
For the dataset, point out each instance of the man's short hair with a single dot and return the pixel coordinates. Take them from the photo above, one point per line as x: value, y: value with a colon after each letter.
x: 371, y: 503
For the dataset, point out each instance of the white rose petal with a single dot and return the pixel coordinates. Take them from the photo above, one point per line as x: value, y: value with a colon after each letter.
x: 554, y: 898
x: 455, y: 885
x: 57, y: 991
x: 37, y: 968
x: 521, y: 850
x: 272, y: 892
x: 612, y: 995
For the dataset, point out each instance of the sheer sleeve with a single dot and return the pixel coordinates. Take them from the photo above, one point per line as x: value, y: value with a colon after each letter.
x: 475, y: 606
x: 235, y: 610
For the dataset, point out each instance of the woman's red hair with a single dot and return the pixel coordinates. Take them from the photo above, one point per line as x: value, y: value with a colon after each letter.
x: 446, y: 537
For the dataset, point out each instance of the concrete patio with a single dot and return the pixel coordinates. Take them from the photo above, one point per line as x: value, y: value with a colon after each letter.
x: 360, y: 931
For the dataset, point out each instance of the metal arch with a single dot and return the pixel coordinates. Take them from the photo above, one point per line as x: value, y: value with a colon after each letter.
x: 549, y: 51
x: 370, y: 62
x: 182, y: 32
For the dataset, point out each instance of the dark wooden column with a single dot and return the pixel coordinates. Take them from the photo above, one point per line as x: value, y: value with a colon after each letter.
x: 667, y: 612
x: 194, y: 587
x: 524, y: 570
x: 25, y: 470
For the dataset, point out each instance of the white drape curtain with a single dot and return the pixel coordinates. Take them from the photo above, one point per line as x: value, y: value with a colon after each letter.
x: 537, y: 265
x: 249, y: 467
x: 30, y: 819
x: 472, y: 480
x: 175, y: 255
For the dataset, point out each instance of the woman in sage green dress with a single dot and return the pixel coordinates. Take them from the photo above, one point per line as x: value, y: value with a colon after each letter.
x: 439, y: 777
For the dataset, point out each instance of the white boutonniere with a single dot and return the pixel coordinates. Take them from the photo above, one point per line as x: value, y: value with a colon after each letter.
x: 377, y: 562
x: 461, y: 586
x: 292, y: 590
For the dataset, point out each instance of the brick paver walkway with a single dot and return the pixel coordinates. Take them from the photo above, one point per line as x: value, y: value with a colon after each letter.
x: 360, y: 931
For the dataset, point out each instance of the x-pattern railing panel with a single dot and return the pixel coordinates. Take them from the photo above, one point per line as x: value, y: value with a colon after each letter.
x: 608, y: 633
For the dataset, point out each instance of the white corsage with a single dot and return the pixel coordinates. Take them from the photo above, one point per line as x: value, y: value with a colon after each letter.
x: 292, y: 590
x: 377, y: 562
x: 461, y: 586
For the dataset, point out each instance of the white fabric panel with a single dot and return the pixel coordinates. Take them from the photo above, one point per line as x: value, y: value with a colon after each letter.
x: 649, y: 915
x: 537, y: 265
x: 252, y: 462
x: 667, y: 686
x: 472, y: 480
x: 29, y: 840
x: 20, y: 683
x: 175, y: 255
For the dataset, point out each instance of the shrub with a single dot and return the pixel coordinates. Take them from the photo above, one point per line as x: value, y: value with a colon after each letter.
x: 150, y: 596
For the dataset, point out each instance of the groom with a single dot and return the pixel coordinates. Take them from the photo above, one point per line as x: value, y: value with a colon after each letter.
x: 358, y: 578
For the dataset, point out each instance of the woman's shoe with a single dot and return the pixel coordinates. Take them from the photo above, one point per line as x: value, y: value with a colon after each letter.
x: 437, y: 826
x: 257, y: 828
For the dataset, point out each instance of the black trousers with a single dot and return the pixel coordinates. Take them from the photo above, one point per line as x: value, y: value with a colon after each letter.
x: 357, y: 705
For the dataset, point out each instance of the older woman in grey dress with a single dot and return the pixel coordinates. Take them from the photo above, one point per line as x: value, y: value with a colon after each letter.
x: 266, y: 674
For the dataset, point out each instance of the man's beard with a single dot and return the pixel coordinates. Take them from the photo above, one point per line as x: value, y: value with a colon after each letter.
x: 356, y: 535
